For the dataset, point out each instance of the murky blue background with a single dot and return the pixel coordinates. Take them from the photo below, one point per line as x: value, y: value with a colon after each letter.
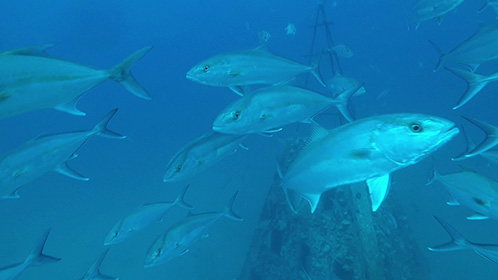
x: 390, y: 57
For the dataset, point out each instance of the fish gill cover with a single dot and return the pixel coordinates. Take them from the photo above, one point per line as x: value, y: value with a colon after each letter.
x: 58, y: 58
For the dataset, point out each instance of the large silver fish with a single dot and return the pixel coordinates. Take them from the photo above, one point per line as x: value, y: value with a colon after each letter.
x: 481, y: 47
x: 93, y: 272
x: 31, y: 80
x: 426, y: 10
x: 473, y: 190
x: 368, y: 150
x: 180, y: 237
x: 270, y: 108
x: 201, y: 154
x: 35, y: 258
x: 247, y: 67
x: 340, y: 83
x: 44, y: 154
x: 141, y: 218
x: 459, y: 242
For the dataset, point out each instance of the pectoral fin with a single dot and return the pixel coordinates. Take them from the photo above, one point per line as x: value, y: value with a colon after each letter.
x: 65, y: 170
x: 477, y: 217
x: 4, y: 95
x: 12, y: 195
x: 237, y: 89
x: 378, y: 188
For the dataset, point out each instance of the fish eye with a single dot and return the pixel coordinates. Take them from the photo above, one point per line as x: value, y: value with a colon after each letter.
x: 236, y: 115
x: 158, y: 252
x: 179, y: 168
x: 177, y: 245
x: 415, y: 127
x: 116, y: 233
x: 205, y: 68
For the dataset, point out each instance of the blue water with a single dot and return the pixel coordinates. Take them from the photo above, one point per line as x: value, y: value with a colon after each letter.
x: 389, y: 56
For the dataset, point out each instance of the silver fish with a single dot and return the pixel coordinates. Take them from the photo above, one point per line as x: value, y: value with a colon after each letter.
x: 474, y: 82
x: 271, y: 108
x: 35, y: 258
x: 342, y: 50
x: 201, y: 154
x: 340, y: 83
x: 44, y: 154
x: 481, y: 47
x: 459, y: 242
x: 247, y: 67
x: 94, y: 272
x: 141, y: 218
x: 31, y: 80
x: 181, y: 236
x: 473, y: 190
x: 364, y: 150
x: 426, y: 10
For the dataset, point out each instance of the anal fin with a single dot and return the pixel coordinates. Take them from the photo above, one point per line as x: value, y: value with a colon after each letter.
x: 66, y: 170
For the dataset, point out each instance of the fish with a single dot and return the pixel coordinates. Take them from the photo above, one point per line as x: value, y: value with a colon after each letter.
x: 182, y: 235
x: 475, y: 83
x: 473, y: 190
x: 270, y: 108
x: 340, y: 83
x: 342, y: 50
x: 425, y: 10
x: 241, y: 68
x: 31, y: 80
x: 201, y: 154
x: 94, y: 272
x: 35, y: 258
x: 368, y: 149
x: 46, y: 153
x: 459, y: 242
x: 290, y: 29
x: 481, y: 47
x: 490, y: 140
x: 143, y: 217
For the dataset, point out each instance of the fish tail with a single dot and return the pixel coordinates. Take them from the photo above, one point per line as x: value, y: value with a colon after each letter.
x: 474, y: 82
x: 315, y: 70
x: 470, y: 145
x: 36, y: 257
x: 342, y: 102
x: 101, y: 127
x: 122, y: 74
x: 458, y: 241
x: 181, y: 199
x: 441, y: 55
x: 434, y: 176
x: 95, y: 269
x: 229, y: 209
x: 489, y: 142
x: 486, y: 4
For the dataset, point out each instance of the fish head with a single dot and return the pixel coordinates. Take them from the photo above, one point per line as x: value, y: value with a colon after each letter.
x: 116, y: 234
x: 407, y: 138
x: 214, y: 71
x: 238, y: 118
x: 178, y: 167
x: 163, y: 250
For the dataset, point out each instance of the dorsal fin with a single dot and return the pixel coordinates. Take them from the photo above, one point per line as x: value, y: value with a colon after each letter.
x: 317, y: 132
x: 33, y: 51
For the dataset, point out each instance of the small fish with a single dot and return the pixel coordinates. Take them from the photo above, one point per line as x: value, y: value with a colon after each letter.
x: 426, y: 10
x: 342, y: 50
x: 143, y: 217
x: 257, y: 66
x: 94, y: 272
x: 340, y: 83
x: 263, y: 37
x: 44, y: 154
x: 35, y: 258
x: 473, y: 190
x: 181, y: 236
x: 271, y: 108
x: 474, y: 82
x: 459, y: 242
x: 490, y: 140
x: 368, y: 150
x: 31, y: 80
x: 201, y: 154
x: 481, y: 47
x: 290, y: 29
